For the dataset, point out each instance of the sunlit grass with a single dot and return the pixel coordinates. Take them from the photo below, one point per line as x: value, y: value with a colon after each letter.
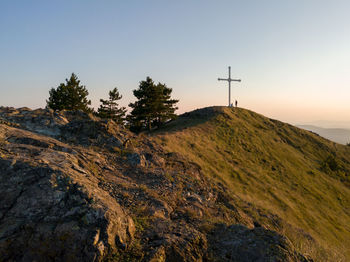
x: 275, y: 166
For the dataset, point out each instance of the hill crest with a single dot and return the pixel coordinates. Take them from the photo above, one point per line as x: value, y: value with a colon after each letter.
x: 205, y: 186
x: 274, y: 165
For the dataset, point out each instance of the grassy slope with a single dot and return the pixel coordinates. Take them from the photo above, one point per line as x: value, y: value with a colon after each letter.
x: 273, y: 165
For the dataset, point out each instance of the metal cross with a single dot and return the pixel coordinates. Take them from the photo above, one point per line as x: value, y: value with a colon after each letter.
x: 229, y: 80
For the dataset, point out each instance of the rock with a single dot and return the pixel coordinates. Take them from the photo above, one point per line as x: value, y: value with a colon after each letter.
x: 155, y: 159
x: 136, y: 159
x: 47, y: 206
x: 159, y: 209
x: 239, y: 243
x: 177, y: 243
x: 74, y: 127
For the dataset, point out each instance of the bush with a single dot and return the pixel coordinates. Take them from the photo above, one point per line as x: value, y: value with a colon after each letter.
x: 330, y: 164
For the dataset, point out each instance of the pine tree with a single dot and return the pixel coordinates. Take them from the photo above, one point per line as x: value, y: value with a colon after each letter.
x: 153, y: 107
x: 69, y: 96
x: 110, y: 109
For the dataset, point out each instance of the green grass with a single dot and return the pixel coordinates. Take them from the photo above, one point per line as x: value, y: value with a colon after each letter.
x: 276, y: 166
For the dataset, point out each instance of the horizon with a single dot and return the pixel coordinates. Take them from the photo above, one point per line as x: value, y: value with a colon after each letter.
x: 293, y: 57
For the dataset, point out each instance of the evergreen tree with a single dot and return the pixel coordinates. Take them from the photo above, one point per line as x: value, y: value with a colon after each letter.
x: 109, y: 108
x: 69, y: 96
x: 153, y: 107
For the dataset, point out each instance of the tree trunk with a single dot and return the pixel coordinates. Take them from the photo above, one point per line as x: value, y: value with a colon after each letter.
x: 149, y: 125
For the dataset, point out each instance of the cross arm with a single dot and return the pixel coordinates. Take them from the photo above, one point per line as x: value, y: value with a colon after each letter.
x: 229, y: 79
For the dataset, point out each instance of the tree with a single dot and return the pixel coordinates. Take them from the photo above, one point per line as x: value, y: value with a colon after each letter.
x: 69, y: 96
x: 153, y: 107
x: 109, y: 108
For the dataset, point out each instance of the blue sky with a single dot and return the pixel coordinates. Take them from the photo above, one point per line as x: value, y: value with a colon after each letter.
x: 293, y: 56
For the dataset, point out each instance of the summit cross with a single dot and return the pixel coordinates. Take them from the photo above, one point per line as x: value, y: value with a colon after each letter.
x: 229, y: 80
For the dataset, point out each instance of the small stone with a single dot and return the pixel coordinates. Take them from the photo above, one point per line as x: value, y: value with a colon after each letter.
x: 136, y: 159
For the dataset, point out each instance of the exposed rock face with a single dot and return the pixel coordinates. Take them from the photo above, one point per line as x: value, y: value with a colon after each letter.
x: 50, y: 204
x: 72, y: 127
x: 73, y: 189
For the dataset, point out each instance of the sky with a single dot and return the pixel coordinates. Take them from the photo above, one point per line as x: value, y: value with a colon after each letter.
x: 293, y: 56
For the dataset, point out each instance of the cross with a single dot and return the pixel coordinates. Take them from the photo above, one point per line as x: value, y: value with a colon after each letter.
x: 229, y: 80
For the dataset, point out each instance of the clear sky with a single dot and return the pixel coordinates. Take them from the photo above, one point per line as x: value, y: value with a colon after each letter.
x: 293, y: 56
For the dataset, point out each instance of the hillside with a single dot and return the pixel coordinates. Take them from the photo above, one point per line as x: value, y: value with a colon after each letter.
x: 217, y: 184
x: 277, y: 168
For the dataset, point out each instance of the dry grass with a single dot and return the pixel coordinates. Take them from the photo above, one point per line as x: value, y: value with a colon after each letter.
x: 275, y: 166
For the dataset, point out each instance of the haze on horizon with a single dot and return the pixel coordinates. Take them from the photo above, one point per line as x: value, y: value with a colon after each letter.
x: 293, y: 56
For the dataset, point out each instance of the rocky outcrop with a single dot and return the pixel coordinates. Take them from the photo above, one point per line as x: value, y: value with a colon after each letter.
x: 50, y: 206
x: 77, y: 188
x: 73, y: 127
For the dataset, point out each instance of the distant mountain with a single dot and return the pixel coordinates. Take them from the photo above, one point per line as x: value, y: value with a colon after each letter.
x: 327, y: 124
x: 339, y: 135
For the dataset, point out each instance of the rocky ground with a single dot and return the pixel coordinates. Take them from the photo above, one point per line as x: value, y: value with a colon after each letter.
x: 74, y: 187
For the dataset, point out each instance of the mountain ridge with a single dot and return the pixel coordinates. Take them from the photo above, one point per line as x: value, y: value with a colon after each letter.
x: 106, y: 194
x: 247, y: 148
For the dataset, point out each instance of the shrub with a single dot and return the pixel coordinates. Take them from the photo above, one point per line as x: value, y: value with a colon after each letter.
x: 330, y: 164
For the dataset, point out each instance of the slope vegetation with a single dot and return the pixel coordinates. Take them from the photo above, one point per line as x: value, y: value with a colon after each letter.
x: 290, y: 180
x: 74, y: 187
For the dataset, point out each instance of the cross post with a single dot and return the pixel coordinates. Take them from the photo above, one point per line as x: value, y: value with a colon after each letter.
x: 229, y: 80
